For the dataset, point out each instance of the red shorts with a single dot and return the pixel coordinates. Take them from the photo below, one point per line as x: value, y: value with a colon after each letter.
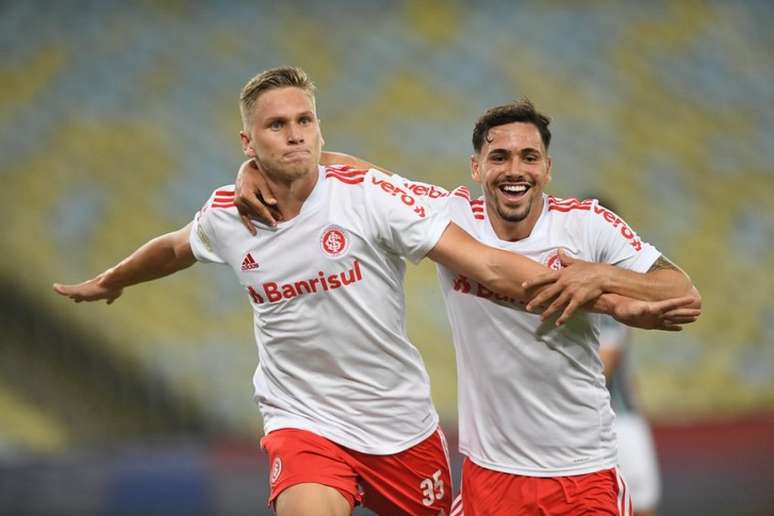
x: 492, y: 493
x: 414, y: 481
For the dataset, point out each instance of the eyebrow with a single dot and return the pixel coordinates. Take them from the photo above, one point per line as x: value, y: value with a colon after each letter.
x: 297, y: 115
x: 509, y: 151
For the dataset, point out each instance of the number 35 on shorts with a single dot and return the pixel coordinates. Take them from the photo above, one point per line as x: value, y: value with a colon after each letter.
x: 432, y: 488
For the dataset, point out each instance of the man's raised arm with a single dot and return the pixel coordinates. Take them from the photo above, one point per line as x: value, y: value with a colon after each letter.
x: 159, y: 257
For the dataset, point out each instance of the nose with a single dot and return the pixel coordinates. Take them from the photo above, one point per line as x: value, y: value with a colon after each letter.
x: 295, y: 134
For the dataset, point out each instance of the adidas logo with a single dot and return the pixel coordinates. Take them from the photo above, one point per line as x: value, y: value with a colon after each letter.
x: 249, y: 263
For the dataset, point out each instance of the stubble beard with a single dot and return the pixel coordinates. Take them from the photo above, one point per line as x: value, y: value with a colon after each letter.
x: 508, y: 214
x: 513, y: 215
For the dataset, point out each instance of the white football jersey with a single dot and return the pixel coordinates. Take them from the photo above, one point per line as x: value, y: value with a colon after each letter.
x: 532, y: 397
x: 327, y: 293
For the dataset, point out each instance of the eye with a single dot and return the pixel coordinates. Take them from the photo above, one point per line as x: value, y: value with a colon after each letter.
x: 276, y: 125
x: 305, y: 120
x: 531, y: 158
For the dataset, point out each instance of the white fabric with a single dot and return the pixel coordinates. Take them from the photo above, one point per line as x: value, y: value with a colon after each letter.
x: 334, y: 357
x: 532, y: 397
x: 637, y: 460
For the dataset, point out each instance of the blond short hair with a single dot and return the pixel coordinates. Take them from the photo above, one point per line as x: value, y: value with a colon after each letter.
x: 281, y: 77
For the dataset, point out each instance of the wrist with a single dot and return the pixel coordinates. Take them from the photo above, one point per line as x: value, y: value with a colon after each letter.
x: 109, y: 279
x: 609, y: 278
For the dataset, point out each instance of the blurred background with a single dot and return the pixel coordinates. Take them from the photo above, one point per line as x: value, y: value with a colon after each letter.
x: 117, y: 120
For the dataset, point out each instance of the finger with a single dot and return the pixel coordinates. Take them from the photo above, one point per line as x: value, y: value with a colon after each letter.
x: 565, y: 259
x: 247, y: 223
x: 558, y: 303
x: 570, y: 309
x: 250, y: 209
x: 540, y: 279
x: 683, y: 311
x: 681, y: 317
x: 670, y: 304
x: 65, y: 290
x: 684, y: 319
x: 543, y: 297
x: 262, y: 212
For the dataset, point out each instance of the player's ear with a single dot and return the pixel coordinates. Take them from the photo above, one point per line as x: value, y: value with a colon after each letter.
x: 475, y: 172
x: 548, y: 169
x: 247, y: 144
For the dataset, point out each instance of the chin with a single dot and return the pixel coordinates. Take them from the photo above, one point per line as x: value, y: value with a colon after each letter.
x: 512, y: 215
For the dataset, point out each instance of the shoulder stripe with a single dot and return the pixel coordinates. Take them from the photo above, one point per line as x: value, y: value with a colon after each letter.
x: 346, y: 180
x: 345, y: 171
x: 565, y: 209
x: 566, y: 205
x: 345, y: 176
x: 476, y: 205
x: 224, y: 192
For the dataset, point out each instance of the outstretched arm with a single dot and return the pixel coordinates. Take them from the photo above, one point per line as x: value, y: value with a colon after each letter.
x: 159, y: 257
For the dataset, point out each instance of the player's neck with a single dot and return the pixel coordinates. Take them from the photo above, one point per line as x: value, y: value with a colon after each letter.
x: 292, y: 192
x: 511, y: 231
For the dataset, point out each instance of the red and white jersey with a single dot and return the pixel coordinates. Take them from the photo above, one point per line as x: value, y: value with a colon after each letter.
x: 327, y: 293
x: 532, y: 397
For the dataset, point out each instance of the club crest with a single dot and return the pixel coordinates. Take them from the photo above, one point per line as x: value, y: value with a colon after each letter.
x: 334, y: 241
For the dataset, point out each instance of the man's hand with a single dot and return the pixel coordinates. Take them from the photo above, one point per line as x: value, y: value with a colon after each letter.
x: 576, y: 284
x: 91, y: 290
x: 667, y: 315
x: 253, y: 197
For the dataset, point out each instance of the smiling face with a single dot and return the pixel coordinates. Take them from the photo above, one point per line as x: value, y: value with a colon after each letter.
x: 512, y: 168
x: 282, y: 133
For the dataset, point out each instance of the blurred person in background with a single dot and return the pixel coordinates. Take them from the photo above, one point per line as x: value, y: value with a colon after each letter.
x: 536, y: 426
x: 636, y: 452
x: 344, y: 395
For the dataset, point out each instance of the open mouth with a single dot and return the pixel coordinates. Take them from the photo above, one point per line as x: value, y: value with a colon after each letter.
x: 514, y: 192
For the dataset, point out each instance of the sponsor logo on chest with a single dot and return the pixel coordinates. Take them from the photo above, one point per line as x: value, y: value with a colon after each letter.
x: 465, y: 285
x: 323, y: 282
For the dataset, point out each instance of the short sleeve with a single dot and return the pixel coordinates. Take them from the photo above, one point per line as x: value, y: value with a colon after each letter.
x: 614, y: 241
x: 435, y: 196
x: 204, y: 238
x: 404, y: 222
